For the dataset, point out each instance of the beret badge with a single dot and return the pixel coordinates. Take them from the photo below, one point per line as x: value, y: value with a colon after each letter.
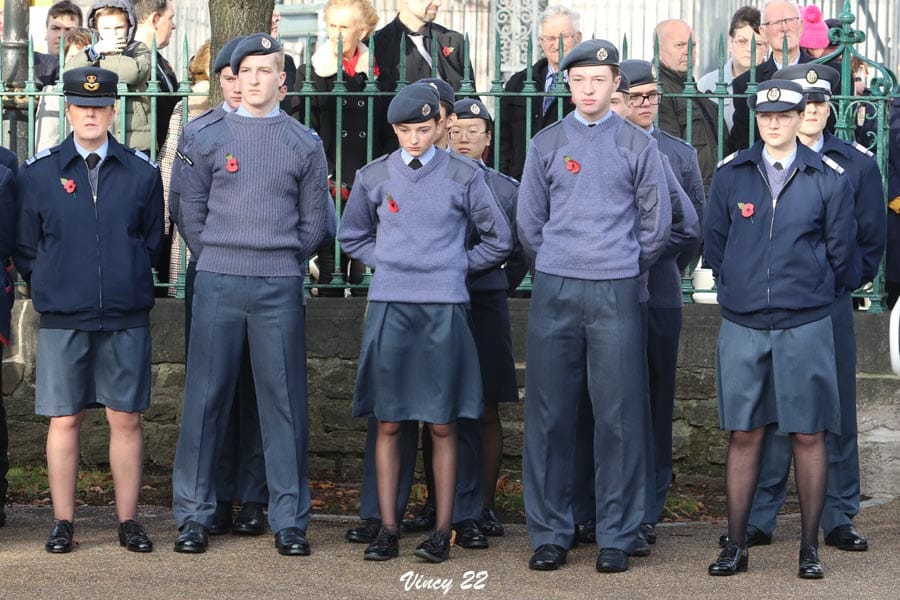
x: 474, y: 109
x: 426, y: 110
x: 602, y: 54
x: 265, y: 43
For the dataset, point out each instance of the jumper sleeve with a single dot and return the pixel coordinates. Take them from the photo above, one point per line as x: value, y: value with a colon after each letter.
x: 652, y: 194
x: 195, y: 182
x: 491, y: 224
x: 533, y: 209
x: 317, y: 218
x: 685, y: 233
x: 359, y: 223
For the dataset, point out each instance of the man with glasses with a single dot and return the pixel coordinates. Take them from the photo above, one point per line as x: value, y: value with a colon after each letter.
x: 743, y: 34
x: 674, y: 37
x: 554, y: 23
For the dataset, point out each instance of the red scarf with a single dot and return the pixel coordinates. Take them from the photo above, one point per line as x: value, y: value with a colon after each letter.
x: 350, y: 64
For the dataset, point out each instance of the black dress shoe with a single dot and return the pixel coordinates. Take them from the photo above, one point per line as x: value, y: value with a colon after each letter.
x: 435, y: 548
x: 469, y: 535
x: 490, y: 524
x: 547, y: 557
x: 250, y: 520
x: 587, y: 534
x: 61, y: 538
x: 291, y: 541
x: 424, y: 521
x: 365, y: 533
x: 133, y: 537
x: 385, y: 546
x: 192, y: 539
x: 612, y: 560
x: 221, y: 523
x: 845, y: 537
x: 732, y: 559
x: 810, y: 565
x: 641, y: 547
x: 648, y: 532
x: 755, y: 537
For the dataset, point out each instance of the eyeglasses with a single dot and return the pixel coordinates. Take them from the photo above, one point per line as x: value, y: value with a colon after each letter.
x: 638, y: 99
x: 549, y: 39
x: 745, y: 43
x: 783, y: 119
x: 790, y: 22
x: 461, y: 134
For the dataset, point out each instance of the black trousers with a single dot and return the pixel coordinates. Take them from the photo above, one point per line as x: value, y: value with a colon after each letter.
x: 4, y: 447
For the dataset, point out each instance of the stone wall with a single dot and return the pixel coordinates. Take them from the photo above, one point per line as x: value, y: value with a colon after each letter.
x: 334, y: 328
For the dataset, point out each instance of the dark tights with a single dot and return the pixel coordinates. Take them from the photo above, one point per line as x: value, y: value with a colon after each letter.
x: 492, y: 451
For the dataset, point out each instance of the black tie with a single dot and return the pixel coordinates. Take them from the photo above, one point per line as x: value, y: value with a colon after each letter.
x: 415, y: 163
x: 778, y: 166
x: 92, y: 160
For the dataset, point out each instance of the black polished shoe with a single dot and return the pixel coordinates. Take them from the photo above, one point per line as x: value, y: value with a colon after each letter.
x: 612, y: 560
x: 385, y: 546
x: 755, y: 537
x: 648, y: 532
x: 221, y: 523
x: 61, y: 538
x: 192, y: 539
x: 490, y: 524
x: 641, y: 547
x: 365, y: 533
x: 133, y: 537
x: 424, y: 521
x: 250, y: 520
x: 435, y: 548
x: 469, y: 535
x: 845, y: 537
x: 587, y: 533
x: 291, y: 541
x: 732, y: 559
x: 547, y: 557
x: 810, y: 565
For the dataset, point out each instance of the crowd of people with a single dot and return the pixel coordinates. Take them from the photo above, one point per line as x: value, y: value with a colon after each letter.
x: 600, y: 195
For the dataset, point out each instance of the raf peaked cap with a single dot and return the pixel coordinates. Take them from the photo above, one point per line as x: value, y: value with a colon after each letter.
x: 817, y: 81
x: 472, y: 109
x: 257, y: 44
x: 90, y: 86
x: 414, y: 104
x: 638, y: 72
x: 444, y: 89
x: 778, y: 95
x: 223, y: 58
x: 589, y: 54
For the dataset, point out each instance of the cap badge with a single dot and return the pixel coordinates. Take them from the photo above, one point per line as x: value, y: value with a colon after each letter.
x: 474, y: 109
x: 433, y: 84
x: 265, y: 43
x: 90, y: 83
x: 426, y: 110
x: 812, y: 76
x: 602, y: 54
x: 773, y: 95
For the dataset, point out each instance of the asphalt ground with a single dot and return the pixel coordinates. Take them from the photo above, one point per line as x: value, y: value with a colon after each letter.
x: 249, y: 567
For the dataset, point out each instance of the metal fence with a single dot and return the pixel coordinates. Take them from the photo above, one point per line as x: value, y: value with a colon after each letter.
x: 846, y: 107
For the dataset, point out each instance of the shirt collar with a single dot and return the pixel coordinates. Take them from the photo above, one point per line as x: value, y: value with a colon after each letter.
x: 102, y: 151
x: 245, y: 113
x: 786, y: 162
x: 424, y: 158
x: 818, y: 145
x: 581, y: 119
x: 227, y: 108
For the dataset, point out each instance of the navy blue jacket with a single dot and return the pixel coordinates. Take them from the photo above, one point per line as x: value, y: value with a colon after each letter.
x: 892, y: 255
x: 7, y: 247
x: 89, y: 262
x: 864, y: 176
x: 779, y: 267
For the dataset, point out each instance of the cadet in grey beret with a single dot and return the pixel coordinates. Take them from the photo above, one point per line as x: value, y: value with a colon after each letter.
x: 470, y: 108
x: 638, y: 72
x: 444, y: 89
x: 258, y: 44
x: 777, y: 95
x: 414, y: 104
x: 817, y: 81
x: 591, y: 53
x: 223, y: 58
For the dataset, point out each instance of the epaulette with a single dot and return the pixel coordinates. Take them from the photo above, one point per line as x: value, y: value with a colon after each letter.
x: 863, y: 149
x: 142, y: 156
x: 375, y: 172
x: 42, y: 154
x: 460, y: 168
x: 831, y: 163
x: 726, y: 160
x: 676, y: 138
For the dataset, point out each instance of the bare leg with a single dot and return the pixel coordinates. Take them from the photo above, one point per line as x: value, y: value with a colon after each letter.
x: 444, y: 467
x: 62, y: 463
x: 126, y: 460
x: 811, y: 474
x: 741, y: 474
x: 492, y: 451
x: 387, y: 472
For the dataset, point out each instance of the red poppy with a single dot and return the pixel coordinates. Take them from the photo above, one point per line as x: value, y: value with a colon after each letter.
x: 572, y: 165
x: 447, y: 50
x: 231, y: 163
x: 392, y: 206
x: 375, y: 70
x: 68, y: 185
x: 747, y: 209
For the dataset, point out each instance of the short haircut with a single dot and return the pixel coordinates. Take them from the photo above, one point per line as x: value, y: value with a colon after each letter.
x: 559, y: 11
x: 745, y: 15
x: 789, y: 2
x: 65, y: 8
x: 198, y: 69
x: 105, y: 11
x: 80, y: 37
x: 144, y: 9
x: 365, y: 13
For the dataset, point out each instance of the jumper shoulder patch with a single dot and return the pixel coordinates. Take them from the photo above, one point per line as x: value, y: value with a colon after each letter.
x: 460, y: 169
x: 831, y: 163
x: 726, y: 160
x: 375, y: 172
x: 42, y: 154
x: 863, y: 149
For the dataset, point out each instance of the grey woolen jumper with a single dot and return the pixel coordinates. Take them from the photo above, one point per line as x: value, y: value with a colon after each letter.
x: 265, y: 218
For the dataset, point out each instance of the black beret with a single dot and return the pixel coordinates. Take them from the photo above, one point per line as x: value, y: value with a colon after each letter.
x: 414, y: 104
x: 252, y: 45
x: 444, y: 89
x: 591, y: 53
x: 90, y: 86
x: 817, y: 81
x: 624, y: 83
x: 777, y: 95
x: 471, y: 108
x: 639, y: 72
x: 223, y: 58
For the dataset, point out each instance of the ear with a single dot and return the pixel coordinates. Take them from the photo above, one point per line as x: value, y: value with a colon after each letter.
x: 155, y: 20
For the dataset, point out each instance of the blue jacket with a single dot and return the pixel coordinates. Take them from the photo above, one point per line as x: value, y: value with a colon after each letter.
x: 892, y: 254
x: 7, y: 247
x: 89, y: 262
x: 779, y: 267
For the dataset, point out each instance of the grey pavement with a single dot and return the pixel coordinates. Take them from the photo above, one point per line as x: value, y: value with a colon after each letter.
x: 236, y: 567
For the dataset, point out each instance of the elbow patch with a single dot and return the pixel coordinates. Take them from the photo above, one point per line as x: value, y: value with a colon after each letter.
x: 647, y: 198
x: 484, y: 221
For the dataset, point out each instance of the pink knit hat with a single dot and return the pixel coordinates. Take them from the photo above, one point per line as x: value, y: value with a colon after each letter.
x: 815, y: 31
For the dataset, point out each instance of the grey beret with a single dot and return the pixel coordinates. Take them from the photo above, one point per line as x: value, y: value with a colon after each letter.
x: 591, y: 53
x: 223, y: 58
x: 252, y: 45
x: 414, y: 104
x: 639, y: 72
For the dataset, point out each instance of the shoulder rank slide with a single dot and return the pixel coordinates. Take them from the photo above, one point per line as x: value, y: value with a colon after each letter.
x: 726, y: 160
x: 42, y: 154
x: 184, y: 158
x: 831, y: 163
x: 863, y: 149
x: 143, y: 156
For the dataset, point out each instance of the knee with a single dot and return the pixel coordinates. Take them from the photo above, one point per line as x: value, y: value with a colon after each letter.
x: 66, y: 424
x: 389, y: 429
x: 807, y: 440
x: 442, y: 432
x: 123, y: 422
x: 748, y: 439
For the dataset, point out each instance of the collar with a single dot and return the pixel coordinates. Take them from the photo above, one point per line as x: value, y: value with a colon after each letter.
x: 102, y: 151
x: 68, y: 152
x: 245, y: 113
x: 226, y: 108
x: 803, y: 157
x: 786, y: 162
x: 324, y: 61
x: 426, y: 156
x: 584, y: 121
x: 818, y: 145
x: 832, y: 143
x: 424, y: 32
